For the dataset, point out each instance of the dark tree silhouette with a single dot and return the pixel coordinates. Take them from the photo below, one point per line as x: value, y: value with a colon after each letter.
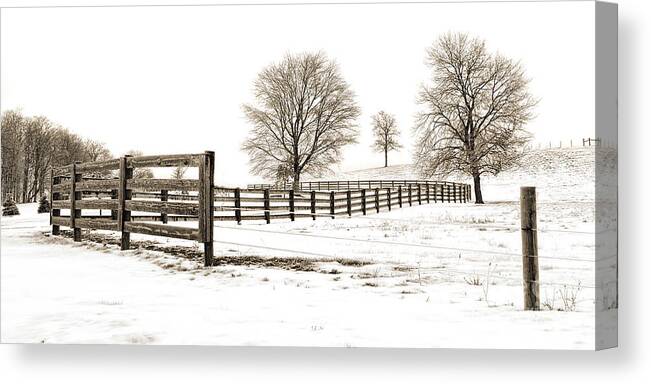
x: 305, y: 112
x: 474, y: 113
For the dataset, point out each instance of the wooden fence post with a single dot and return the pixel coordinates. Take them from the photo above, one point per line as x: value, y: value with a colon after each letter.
x: 409, y: 194
x: 418, y: 192
x: 529, y: 248
x: 363, y: 201
x: 207, y: 204
x: 400, y: 196
x: 124, y: 194
x: 332, y: 204
x: 377, y: 200
x: 313, y: 204
x: 389, y: 198
x: 238, y: 206
x: 56, y: 180
x: 74, y: 196
x: 427, y: 192
x: 292, y: 216
x: 349, y: 205
x: 448, y: 188
x: 163, y: 197
x: 267, y: 206
x: 454, y: 192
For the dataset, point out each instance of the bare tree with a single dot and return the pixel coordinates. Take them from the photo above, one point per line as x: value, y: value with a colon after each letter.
x: 305, y: 114
x: 386, y: 134
x: 474, y: 113
x: 178, y: 173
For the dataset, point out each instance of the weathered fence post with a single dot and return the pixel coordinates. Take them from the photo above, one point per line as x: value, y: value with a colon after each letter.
x: 238, y: 205
x: 448, y: 188
x: 163, y: 197
x: 332, y: 204
x: 409, y: 194
x: 427, y: 192
x: 292, y: 216
x: 363, y: 201
x: 74, y: 196
x: 377, y: 200
x: 454, y: 192
x: 389, y: 198
x: 56, y: 180
x: 313, y: 204
x: 267, y: 206
x: 349, y: 205
x: 400, y: 196
x: 529, y: 248
x: 418, y: 192
x: 124, y: 194
x: 207, y: 204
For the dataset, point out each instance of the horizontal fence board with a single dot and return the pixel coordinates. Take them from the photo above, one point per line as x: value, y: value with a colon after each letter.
x: 162, y: 230
x: 92, y: 223
x: 191, y: 160
x: 163, y: 184
x: 96, y: 166
x: 96, y: 185
x: 61, y: 204
x: 96, y: 204
x: 61, y: 220
x: 189, y: 209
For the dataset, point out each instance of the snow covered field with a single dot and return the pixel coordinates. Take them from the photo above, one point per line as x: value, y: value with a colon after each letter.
x: 438, y: 275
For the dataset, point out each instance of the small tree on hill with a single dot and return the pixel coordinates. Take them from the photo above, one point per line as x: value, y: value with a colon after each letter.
x: 386, y: 134
x: 43, y: 205
x: 9, y: 207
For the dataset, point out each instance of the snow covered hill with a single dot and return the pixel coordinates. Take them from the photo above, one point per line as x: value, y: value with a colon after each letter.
x: 561, y: 173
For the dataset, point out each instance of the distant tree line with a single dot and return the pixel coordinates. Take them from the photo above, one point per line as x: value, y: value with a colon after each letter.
x: 31, y: 146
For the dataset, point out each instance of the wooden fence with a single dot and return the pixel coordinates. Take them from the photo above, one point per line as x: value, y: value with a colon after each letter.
x: 239, y: 204
x: 71, y: 191
x: 345, y: 185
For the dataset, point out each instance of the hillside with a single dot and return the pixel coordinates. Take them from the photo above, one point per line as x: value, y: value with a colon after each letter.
x: 561, y: 173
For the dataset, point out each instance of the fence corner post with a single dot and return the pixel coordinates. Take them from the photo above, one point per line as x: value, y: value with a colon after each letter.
x: 529, y: 248
x: 207, y: 204
x: 124, y: 194
x: 74, y: 196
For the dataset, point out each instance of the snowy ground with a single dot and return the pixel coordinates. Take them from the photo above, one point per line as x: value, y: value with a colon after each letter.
x: 444, y: 275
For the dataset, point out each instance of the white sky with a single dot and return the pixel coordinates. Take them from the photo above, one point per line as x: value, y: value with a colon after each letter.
x: 173, y: 79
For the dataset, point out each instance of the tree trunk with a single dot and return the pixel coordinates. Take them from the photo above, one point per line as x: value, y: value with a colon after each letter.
x: 477, y: 181
x: 386, y: 157
x: 296, y: 182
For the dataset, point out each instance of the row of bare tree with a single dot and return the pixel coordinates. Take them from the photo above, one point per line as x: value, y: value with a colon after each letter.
x: 472, y: 119
x: 31, y: 146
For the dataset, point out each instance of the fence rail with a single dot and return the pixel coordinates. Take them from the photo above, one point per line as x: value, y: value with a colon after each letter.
x: 71, y: 191
x: 343, y: 185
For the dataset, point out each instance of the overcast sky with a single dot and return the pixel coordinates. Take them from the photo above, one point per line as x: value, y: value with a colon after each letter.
x: 173, y: 79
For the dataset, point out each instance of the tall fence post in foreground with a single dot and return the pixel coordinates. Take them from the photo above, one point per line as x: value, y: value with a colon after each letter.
x: 124, y: 194
x: 529, y: 248
x: 207, y: 204
x: 313, y: 204
x: 74, y: 196
x: 292, y: 216
x: 238, y: 206
x: 163, y: 198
